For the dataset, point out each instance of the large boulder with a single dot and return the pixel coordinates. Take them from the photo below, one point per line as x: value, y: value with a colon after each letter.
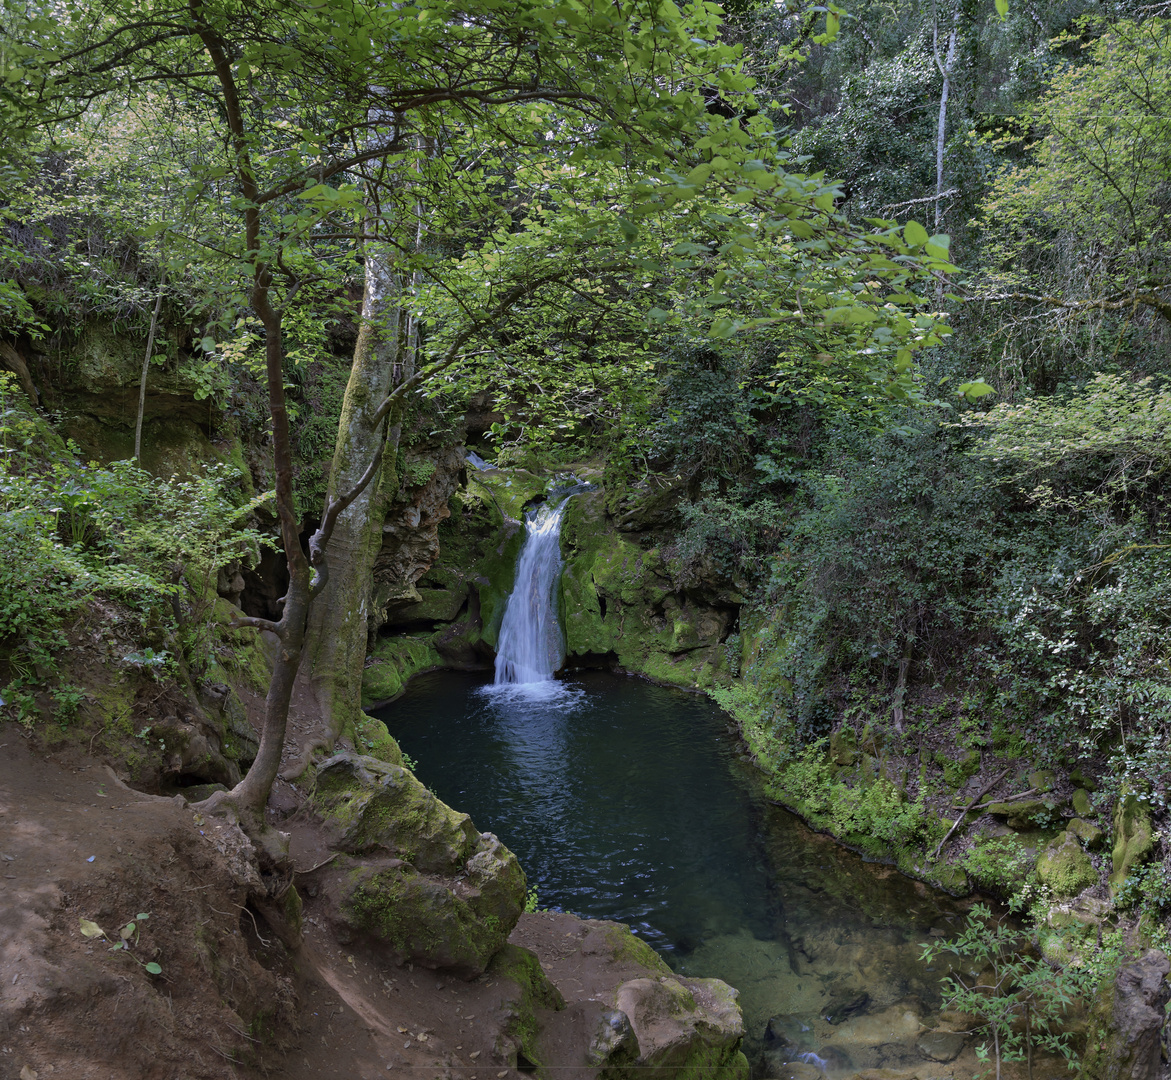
x: 681, y: 1028
x: 1126, y: 1044
x: 626, y: 1015
x: 431, y: 889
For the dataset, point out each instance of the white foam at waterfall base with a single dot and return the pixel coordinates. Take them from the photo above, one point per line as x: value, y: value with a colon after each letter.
x: 530, y: 648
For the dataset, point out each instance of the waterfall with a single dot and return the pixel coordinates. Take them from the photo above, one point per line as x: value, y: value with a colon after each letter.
x: 530, y: 647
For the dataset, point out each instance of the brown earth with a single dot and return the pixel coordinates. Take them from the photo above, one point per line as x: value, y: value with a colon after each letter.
x: 77, y: 844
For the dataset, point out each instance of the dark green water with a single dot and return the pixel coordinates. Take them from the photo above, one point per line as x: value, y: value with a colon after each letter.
x: 627, y: 801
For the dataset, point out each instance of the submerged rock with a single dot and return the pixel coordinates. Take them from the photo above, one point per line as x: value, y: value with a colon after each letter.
x: 942, y: 1046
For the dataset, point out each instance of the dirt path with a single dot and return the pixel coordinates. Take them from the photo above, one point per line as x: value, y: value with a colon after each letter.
x: 230, y: 1001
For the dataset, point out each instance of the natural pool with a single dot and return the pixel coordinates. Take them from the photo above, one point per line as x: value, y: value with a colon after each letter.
x: 625, y: 800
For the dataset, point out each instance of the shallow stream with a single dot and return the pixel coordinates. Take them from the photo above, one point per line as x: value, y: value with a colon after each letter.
x: 625, y: 800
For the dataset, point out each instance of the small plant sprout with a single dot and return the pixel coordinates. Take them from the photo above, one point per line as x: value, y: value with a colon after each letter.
x: 128, y: 937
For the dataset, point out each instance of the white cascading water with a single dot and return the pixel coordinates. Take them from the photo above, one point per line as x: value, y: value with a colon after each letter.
x: 530, y: 647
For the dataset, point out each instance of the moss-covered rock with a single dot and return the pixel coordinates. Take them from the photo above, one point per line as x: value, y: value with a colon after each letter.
x: 394, y: 661
x: 495, y: 572
x: 627, y: 948
x: 1064, y: 867
x: 617, y: 598
x: 534, y: 991
x: 1087, y: 832
x: 374, y: 738
x: 1022, y: 813
x: 437, y: 922
x: 432, y: 605
x: 436, y: 890
x: 1042, y: 779
x: 372, y: 805
x: 1133, y: 837
x: 1126, y: 1022
x: 1081, y: 803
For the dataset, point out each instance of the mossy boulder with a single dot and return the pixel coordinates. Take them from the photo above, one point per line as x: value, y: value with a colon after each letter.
x: 375, y: 806
x: 1042, y: 779
x: 1133, y: 837
x: 374, y: 738
x: 1064, y: 867
x: 433, y: 889
x: 437, y: 922
x: 1087, y: 832
x: 1081, y: 803
x: 1022, y: 813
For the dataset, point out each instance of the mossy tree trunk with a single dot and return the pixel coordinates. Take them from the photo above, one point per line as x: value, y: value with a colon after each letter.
x: 339, y: 622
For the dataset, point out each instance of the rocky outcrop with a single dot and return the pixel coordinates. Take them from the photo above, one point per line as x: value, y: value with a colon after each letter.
x: 1126, y: 1044
x: 410, y: 532
x: 429, y: 888
x: 618, y: 598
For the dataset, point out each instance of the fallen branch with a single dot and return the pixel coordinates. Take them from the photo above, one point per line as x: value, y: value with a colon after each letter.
x: 979, y: 795
x: 1010, y: 798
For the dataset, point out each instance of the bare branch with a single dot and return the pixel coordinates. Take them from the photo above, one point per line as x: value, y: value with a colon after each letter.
x: 243, y: 621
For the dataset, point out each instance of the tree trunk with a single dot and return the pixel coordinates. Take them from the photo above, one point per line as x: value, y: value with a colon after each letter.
x: 337, y: 632
x: 945, y: 68
x: 150, y: 344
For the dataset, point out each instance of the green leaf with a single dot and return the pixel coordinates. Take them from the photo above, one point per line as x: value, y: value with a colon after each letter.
x: 1002, y: 8
x: 91, y: 929
x: 973, y: 390
x: 153, y: 968
x: 915, y: 234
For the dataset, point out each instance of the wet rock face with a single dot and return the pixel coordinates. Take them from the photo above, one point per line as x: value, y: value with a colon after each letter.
x: 432, y: 889
x: 619, y: 599
x: 1131, y: 1049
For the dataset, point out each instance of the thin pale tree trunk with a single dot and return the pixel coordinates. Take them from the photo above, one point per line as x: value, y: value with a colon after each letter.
x: 150, y: 345
x: 945, y: 69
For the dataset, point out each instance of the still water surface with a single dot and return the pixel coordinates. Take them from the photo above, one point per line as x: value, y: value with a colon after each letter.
x: 625, y: 800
